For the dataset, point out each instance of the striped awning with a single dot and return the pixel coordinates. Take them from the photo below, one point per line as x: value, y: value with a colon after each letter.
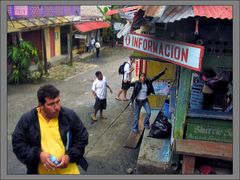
x: 35, y: 23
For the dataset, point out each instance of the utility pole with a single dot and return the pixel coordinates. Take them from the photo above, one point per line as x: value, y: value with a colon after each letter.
x: 70, y: 41
x: 44, y: 56
x: 112, y: 28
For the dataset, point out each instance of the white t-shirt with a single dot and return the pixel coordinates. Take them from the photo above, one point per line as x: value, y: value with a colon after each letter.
x: 93, y: 41
x: 127, y: 73
x: 142, y: 93
x: 100, y: 88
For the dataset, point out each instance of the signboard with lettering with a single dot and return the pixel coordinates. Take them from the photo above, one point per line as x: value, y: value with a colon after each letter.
x: 80, y: 36
x: 180, y: 53
x: 209, y: 130
x: 20, y: 10
x: 161, y: 88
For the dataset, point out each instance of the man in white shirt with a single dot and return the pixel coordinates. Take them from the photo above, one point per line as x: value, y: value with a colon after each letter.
x: 99, y: 90
x: 126, y: 82
x: 98, y: 46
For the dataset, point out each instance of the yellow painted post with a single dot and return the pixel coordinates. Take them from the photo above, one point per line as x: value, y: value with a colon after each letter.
x: 47, y: 42
x: 57, y: 41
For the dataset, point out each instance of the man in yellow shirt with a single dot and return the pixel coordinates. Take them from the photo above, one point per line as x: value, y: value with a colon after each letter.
x: 50, y: 130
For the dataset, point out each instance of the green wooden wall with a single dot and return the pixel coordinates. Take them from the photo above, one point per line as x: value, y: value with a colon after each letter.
x: 183, y: 96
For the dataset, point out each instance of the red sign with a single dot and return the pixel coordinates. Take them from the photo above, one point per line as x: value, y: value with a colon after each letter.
x: 137, y: 67
x: 20, y: 10
x: 180, y: 53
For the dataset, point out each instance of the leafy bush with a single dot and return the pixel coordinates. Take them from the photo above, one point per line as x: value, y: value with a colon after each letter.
x: 20, y: 57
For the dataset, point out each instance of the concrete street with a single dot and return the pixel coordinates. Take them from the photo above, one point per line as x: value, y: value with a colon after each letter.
x: 105, y: 152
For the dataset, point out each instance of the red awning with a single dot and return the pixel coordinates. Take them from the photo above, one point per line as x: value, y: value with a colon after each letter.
x: 116, y: 11
x: 215, y: 12
x: 90, y: 26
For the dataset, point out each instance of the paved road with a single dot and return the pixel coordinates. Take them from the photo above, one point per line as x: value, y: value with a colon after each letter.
x: 105, y: 152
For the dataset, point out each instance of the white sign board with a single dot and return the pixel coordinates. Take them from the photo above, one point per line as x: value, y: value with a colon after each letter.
x: 118, y: 26
x: 180, y: 53
x: 80, y: 36
x: 125, y: 30
x: 161, y: 88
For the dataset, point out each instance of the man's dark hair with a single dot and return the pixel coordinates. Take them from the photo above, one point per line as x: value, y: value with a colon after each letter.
x: 47, y: 91
x: 98, y: 73
x: 142, y: 74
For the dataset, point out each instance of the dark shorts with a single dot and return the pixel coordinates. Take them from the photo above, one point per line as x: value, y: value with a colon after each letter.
x: 126, y: 86
x: 100, y: 104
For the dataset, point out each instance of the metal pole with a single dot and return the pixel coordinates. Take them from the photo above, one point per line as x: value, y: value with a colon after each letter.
x: 44, y: 57
x: 112, y: 28
x: 70, y: 39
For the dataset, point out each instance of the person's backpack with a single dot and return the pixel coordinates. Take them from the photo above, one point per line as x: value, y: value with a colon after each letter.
x: 121, y: 68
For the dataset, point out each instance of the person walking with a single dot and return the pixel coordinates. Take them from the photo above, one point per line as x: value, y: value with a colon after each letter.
x: 92, y: 44
x: 126, y: 81
x: 143, y: 88
x: 99, y: 90
x: 47, y: 131
x: 98, y: 46
x: 88, y: 47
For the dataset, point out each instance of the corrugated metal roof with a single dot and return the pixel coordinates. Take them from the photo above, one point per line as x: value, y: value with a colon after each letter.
x: 153, y: 11
x: 27, y: 24
x: 90, y: 11
x: 126, y: 9
x: 175, y: 13
x: 165, y: 14
x: 215, y: 12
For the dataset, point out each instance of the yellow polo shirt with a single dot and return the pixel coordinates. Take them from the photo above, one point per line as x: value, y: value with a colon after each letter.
x: 51, y: 142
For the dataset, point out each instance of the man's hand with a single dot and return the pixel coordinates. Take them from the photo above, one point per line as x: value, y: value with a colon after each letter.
x: 44, y: 158
x: 94, y: 94
x: 64, y: 161
x: 110, y: 89
x: 131, y: 103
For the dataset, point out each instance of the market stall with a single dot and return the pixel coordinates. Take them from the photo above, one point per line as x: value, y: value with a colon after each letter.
x: 200, y: 48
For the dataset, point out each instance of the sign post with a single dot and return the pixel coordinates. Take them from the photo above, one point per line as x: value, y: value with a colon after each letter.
x: 179, y: 53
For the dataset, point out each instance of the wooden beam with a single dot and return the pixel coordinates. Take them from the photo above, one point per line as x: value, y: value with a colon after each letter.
x: 210, y: 114
x: 188, y: 164
x: 183, y: 97
x: 133, y: 138
x: 208, y: 149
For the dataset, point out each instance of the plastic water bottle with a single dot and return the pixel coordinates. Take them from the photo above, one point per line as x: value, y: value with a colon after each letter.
x: 54, y: 160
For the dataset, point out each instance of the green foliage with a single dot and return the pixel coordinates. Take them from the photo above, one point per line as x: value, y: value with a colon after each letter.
x: 20, y: 57
x: 113, y: 18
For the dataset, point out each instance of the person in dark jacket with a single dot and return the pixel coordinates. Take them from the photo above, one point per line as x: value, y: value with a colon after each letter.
x: 142, y: 89
x: 50, y: 130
